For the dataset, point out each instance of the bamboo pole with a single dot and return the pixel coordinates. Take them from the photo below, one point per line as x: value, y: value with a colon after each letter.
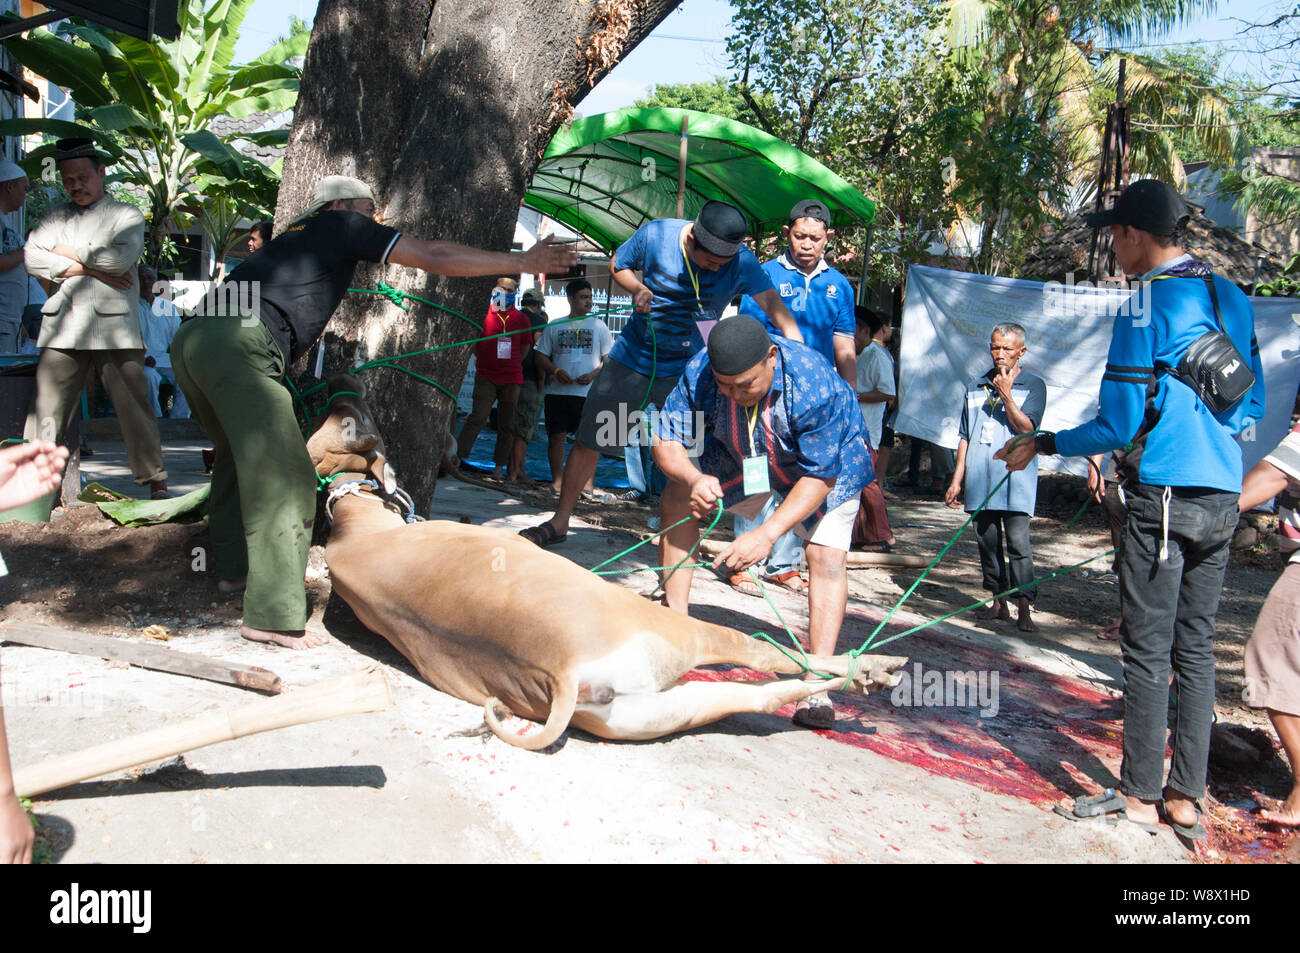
x: 363, y: 691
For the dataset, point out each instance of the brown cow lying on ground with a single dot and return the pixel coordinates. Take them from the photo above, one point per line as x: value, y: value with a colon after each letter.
x: 572, y: 649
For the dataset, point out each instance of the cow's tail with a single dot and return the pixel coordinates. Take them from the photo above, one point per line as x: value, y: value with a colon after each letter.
x: 563, y: 704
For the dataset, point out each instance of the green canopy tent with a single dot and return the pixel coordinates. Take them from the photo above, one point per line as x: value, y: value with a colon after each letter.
x: 604, y: 176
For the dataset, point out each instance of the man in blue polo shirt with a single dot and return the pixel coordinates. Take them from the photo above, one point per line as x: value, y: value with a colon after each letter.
x: 821, y: 300
x: 775, y: 419
x: 690, y: 271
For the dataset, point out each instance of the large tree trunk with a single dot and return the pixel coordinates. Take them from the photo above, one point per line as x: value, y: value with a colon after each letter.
x: 444, y: 110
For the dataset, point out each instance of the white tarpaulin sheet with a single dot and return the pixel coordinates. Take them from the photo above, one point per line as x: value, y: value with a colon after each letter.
x: 950, y: 314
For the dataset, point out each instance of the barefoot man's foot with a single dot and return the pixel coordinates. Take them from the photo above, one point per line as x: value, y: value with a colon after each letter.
x: 1023, y: 621
x: 302, y: 639
x: 997, y: 609
x: 1288, y: 815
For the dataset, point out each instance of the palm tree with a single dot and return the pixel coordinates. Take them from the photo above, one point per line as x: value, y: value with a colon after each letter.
x: 150, y: 105
x: 1047, y: 64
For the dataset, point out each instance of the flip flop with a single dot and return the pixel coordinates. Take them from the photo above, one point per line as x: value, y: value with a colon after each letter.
x: 1193, y: 831
x: 1108, y: 801
x: 813, y: 712
x: 789, y: 580
x: 543, y: 535
x: 741, y: 582
x: 880, y: 547
x: 1109, y: 806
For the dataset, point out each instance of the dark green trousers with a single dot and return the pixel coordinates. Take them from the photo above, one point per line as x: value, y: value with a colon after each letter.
x: 263, y: 484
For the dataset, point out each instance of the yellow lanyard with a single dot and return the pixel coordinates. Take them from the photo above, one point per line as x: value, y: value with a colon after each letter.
x: 753, y: 419
x: 690, y: 273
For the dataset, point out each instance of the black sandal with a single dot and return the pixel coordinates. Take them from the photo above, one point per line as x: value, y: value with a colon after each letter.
x: 543, y: 535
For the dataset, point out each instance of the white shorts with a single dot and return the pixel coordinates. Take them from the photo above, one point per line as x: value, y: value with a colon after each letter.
x: 834, y: 530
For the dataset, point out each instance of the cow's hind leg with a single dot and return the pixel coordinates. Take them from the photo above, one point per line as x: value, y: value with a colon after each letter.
x: 730, y: 645
x: 687, y: 705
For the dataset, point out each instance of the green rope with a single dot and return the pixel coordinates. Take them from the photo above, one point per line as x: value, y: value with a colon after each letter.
x: 1000, y: 595
x: 919, y: 579
x: 680, y: 563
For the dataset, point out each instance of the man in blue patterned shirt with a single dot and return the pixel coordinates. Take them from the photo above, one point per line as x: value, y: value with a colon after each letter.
x: 764, y: 415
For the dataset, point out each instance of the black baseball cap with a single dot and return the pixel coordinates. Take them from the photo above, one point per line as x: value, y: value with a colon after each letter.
x: 719, y: 229
x: 811, y: 208
x: 1148, y: 205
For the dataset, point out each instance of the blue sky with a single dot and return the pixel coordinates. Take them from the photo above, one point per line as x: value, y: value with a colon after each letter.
x: 687, y: 46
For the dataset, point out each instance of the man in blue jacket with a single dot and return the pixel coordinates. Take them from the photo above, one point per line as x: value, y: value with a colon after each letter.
x: 1181, y: 474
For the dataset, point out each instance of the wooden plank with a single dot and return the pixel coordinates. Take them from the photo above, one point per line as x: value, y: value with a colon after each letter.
x: 153, y: 657
x: 363, y: 691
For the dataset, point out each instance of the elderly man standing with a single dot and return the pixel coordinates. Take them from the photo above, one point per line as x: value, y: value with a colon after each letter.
x: 1181, y: 473
x: 776, y: 419
x: 821, y: 301
x: 231, y: 368
x: 689, y: 271
x: 1003, y: 403
x: 89, y: 248
x: 13, y: 273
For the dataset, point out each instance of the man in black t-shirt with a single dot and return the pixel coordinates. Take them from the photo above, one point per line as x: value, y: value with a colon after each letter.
x: 230, y: 361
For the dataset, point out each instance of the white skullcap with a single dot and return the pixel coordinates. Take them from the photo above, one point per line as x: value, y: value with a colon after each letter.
x: 10, y: 171
x: 334, y: 188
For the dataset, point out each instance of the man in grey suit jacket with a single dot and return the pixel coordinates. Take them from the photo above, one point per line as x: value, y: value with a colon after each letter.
x: 89, y: 248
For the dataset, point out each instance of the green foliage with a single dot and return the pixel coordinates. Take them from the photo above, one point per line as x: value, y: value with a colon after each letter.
x: 717, y: 97
x: 150, y: 106
x: 855, y: 83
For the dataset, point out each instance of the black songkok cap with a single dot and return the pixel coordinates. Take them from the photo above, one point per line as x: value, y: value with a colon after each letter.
x: 76, y: 149
x: 737, y: 344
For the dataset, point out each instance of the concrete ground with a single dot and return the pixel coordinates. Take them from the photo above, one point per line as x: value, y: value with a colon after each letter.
x: 415, y: 783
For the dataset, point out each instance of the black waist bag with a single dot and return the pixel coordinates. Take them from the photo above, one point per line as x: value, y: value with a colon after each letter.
x: 1213, y: 367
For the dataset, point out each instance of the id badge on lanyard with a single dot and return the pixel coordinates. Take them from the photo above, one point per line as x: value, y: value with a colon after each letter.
x: 753, y: 469
x: 705, y: 322
x: 754, y: 472
x: 504, y: 347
